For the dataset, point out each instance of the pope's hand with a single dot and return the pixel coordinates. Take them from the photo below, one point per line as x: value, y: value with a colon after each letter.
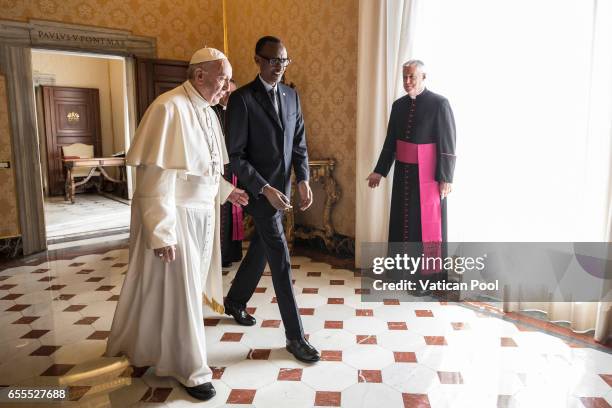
x: 166, y: 254
x: 305, y: 195
x: 374, y: 180
x: 277, y: 199
x: 238, y: 197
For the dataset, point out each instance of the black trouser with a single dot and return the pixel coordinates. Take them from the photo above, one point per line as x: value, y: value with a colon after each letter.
x: 268, y: 244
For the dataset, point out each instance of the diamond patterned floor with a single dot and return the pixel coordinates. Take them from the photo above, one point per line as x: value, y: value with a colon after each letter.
x: 56, y: 316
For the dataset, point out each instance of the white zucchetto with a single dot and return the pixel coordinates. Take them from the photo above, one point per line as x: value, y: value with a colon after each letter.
x: 206, y: 54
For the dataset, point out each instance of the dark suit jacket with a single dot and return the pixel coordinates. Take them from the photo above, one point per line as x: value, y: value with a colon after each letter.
x: 262, y: 147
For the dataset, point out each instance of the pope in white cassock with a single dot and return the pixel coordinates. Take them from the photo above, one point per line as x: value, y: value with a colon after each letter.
x: 175, y: 256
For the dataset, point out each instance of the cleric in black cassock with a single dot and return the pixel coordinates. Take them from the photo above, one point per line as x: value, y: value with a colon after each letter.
x: 421, y: 142
x: 232, y: 231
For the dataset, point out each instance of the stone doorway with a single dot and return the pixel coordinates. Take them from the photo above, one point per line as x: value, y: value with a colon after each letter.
x: 16, y: 41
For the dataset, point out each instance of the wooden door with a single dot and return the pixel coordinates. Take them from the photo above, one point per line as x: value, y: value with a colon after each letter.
x: 154, y: 77
x: 71, y: 115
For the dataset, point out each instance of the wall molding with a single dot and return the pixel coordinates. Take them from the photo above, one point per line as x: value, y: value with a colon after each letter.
x: 76, y: 37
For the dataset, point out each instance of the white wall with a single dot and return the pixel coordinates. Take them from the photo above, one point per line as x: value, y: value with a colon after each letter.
x: 116, y: 76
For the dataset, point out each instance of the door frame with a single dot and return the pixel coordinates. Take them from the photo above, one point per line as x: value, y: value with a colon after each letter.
x: 16, y: 41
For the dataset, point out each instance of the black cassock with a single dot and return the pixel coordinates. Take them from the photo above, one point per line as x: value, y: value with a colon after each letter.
x: 427, y: 119
x: 231, y: 249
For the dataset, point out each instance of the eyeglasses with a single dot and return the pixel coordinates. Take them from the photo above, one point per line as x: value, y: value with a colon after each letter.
x: 276, y: 61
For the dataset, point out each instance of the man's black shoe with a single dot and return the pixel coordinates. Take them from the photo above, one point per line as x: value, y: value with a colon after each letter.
x: 240, y: 315
x: 202, y: 392
x: 226, y: 264
x: 303, y: 351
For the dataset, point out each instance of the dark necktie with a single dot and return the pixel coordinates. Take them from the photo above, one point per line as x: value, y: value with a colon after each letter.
x: 274, y: 100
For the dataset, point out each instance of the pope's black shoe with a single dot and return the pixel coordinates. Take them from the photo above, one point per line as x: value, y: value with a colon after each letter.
x: 239, y: 314
x: 202, y: 392
x: 303, y: 351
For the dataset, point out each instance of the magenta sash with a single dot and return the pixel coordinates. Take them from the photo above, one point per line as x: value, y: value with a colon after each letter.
x: 237, y: 226
x: 425, y: 156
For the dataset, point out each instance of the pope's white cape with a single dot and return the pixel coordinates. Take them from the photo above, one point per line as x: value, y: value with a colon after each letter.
x: 169, y: 136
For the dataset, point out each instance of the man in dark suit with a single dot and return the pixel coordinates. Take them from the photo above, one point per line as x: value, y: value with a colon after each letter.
x: 267, y: 139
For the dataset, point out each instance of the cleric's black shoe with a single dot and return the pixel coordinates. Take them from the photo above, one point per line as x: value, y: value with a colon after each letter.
x: 303, y: 351
x: 240, y: 315
x: 420, y: 292
x: 226, y: 264
x: 202, y: 392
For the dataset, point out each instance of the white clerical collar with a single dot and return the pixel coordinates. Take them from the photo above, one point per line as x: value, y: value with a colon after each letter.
x: 414, y: 97
x: 267, y: 85
x: 195, y: 95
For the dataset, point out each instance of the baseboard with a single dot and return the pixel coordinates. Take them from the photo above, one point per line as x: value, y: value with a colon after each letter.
x: 11, y: 248
x: 94, y: 234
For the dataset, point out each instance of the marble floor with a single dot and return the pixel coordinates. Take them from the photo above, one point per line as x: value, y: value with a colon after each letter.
x: 91, y: 213
x: 56, y: 313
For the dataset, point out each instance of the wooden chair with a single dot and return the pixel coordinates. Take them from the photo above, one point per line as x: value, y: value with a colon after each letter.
x: 82, y: 174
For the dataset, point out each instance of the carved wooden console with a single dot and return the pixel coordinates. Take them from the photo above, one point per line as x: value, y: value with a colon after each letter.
x: 316, y: 222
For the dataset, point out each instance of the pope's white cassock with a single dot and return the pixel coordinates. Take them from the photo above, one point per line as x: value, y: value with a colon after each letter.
x: 179, y: 159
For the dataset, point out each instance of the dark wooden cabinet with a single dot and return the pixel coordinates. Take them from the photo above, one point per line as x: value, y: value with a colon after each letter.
x: 71, y: 115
